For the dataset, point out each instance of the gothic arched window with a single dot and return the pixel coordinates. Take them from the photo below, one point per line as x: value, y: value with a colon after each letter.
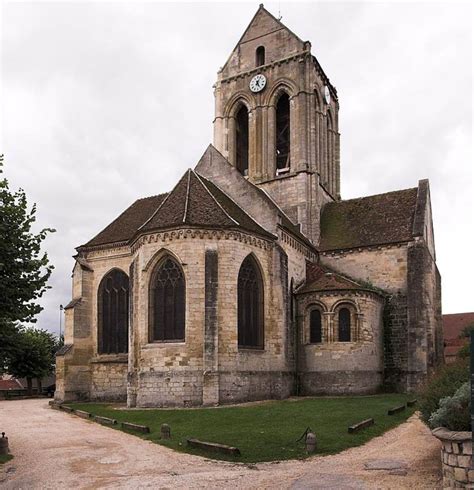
x: 283, y: 132
x: 344, y: 325
x: 315, y: 327
x: 167, y: 302
x: 260, y: 56
x: 242, y: 140
x: 112, y: 309
x: 250, y: 305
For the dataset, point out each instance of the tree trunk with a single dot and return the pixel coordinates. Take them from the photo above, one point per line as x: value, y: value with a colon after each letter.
x: 40, y: 386
x: 29, y: 386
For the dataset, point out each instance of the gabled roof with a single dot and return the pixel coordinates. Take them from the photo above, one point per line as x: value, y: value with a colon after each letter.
x: 320, y: 278
x: 194, y: 202
x: 373, y: 220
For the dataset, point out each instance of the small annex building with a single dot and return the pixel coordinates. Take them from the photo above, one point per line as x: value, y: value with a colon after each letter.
x: 252, y: 279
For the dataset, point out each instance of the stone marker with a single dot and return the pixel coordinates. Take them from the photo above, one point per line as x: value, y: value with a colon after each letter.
x: 361, y: 425
x: 66, y: 408
x: 138, y: 428
x: 4, y: 444
x: 83, y: 414
x: 105, y: 420
x: 410, y: 403
x: 310, y: 442
x: 165, y: 431
x: 395, y: 410
x: 213, y: 446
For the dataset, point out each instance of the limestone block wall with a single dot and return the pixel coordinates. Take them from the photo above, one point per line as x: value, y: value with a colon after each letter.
x: 456, y: 458
x: 164, y: 373
x: 109, y: 378
x: 333, y: 367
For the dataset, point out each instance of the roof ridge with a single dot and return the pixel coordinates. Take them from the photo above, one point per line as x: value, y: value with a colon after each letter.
x: 187, y: 197
x: 373, y: 195
x: 214, y: 199
x: 159, y: 207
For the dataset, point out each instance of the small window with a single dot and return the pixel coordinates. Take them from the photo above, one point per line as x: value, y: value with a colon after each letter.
x: 260, y: 56
x: 315, y: 327
x: 344, y: 330
x: 167, y: 302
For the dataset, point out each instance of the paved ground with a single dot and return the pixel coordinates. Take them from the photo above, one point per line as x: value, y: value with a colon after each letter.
x: 55, y: 450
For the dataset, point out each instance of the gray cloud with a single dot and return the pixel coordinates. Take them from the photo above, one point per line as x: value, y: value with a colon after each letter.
x: 104, y: 103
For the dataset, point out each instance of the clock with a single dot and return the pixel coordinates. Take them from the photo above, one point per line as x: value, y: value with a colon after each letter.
x: 258, y: 82
x: 327, y: 94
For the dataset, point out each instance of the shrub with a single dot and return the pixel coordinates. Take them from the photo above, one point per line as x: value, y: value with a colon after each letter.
x: 454, y: 412
x: 444, y: 383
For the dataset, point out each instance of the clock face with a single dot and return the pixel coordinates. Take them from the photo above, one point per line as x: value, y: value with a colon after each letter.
x: 327, y: 94
x: 258, y: 83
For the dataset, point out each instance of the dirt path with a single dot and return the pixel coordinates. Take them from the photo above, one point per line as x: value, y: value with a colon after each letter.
x: 55, y: 450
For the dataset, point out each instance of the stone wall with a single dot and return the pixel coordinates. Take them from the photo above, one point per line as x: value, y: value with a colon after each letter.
x: 456, y: 458
x: 333, y: 367
x: 109, y: 378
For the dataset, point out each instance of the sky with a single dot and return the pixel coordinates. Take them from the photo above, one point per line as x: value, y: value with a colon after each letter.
x: 102, y: 103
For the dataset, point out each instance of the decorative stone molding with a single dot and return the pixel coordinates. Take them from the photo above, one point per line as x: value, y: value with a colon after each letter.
x: 456, y: 457
x: 297, y: 245
x: 347, y: 251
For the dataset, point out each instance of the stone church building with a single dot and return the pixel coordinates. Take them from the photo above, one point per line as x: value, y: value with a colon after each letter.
x: 252, y: 279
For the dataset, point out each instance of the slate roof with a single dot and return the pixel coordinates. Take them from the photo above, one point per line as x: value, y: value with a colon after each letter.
x: 373, y: 220
x: 320, y: 278
x: 194, y: 201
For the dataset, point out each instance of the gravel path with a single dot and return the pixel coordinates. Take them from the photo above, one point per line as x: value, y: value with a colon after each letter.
x: 55, y: 450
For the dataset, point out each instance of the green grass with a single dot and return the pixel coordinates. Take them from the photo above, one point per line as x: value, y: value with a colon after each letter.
x: 5, y: 458
x: 267, y: 431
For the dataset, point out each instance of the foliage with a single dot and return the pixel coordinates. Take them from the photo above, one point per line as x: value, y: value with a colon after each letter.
x: 443, y: 384
x: 4, y: 458
x: 454, y: 412
x: 267, y: 431
x: 34, y: 355
x: 24, y: 270
x: 466, y: 331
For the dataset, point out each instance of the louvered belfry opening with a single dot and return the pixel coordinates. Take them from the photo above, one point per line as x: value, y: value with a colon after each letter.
x: 315, y: 330
x: 250, y: 305
x: 167, y: 302
x: 344, y: 325
x: 112, y: 308
x: 242, y: 140
x: 283, y: 132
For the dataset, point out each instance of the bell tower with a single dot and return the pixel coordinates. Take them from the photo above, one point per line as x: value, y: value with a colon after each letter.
x: 276, y: 120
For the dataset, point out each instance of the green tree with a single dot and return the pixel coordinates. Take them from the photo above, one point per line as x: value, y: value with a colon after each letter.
x: 24, y: 269
x: 33, y: 356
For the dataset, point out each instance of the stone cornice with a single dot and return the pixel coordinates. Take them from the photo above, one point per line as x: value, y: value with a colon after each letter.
x: 381, y: 246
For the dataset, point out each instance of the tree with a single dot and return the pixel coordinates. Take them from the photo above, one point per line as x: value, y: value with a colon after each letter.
x: 33, y: 356
x: 24, y: 269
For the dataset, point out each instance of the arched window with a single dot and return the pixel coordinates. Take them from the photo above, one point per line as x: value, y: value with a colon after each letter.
x: 250, y: 305
x: 242, y: 140
x: 167, y: 302
x: 112, y: 309
x: 315, y: 327
x: 344, y: 326
x: 260, y: 56
x: 283, y: 132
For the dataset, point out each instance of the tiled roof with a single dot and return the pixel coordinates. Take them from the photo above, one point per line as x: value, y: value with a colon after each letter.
x: 194, y: 201
x: 124, y: 227
x: 373, y: 220
x: 10, y: 384
x: 454, y: 324
x: 319, y: 278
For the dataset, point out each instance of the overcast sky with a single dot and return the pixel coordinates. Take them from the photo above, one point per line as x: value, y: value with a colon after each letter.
x: 103, y: 103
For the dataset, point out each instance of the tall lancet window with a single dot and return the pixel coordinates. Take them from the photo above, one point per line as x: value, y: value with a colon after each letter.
x: 283, y: 133
x: 260, y: 56
x: 250, y: 305
x: 112, y: 310
x: 242, y: 140
x: 167, y: 302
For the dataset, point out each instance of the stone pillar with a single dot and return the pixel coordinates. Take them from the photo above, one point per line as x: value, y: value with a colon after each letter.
x: 133, y: 337
x: 210, y: 388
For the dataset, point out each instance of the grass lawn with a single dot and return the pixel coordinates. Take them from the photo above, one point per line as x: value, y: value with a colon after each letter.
x: 5, y: 457
x: 267, y: 431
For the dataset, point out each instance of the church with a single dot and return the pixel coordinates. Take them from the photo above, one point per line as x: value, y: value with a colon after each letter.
x: 252, y: 278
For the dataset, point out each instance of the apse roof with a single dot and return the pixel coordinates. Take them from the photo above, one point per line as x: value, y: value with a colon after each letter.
x: 373, y: 220
x: 194, y: 202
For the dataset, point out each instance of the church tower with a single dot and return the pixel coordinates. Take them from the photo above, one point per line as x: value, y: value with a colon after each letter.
x: 276, y: 120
